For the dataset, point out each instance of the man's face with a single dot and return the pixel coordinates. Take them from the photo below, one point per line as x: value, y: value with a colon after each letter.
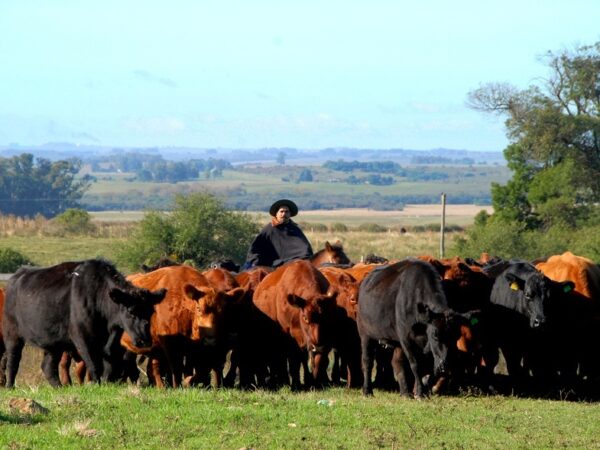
x: 283, y: 214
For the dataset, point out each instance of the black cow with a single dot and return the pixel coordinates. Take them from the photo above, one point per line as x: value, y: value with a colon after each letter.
x: 403, y: 305
x: 74, y: 306
x: 516, y: 315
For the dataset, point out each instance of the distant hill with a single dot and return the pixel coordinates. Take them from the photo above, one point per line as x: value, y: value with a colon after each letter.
x: 62, y: 150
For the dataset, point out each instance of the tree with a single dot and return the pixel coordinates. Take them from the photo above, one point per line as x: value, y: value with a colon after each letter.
x: 305, y: 175
x: 29, y: 187
x: 554, y: 129
x: 280, y: 158
x: 199, y: 228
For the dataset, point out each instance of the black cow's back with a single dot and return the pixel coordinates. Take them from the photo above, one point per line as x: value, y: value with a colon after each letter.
x: 38, y: 296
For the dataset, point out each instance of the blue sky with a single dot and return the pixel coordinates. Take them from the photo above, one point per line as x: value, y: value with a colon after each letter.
x: 250, y: 74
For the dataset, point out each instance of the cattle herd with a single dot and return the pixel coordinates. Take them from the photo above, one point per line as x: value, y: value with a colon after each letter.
x: 418, y: 325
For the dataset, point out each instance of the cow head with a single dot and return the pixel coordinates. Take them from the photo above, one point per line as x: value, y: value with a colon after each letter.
x: 531, y: 292
x: 316, y: 316
x: 442, y: 334
x: 213, y: 312
x: 137, y: 306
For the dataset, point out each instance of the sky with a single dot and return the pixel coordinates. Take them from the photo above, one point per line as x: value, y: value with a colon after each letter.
x: 254, y: 74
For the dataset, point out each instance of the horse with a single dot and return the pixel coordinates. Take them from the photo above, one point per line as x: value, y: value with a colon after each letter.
x: 331, y: 254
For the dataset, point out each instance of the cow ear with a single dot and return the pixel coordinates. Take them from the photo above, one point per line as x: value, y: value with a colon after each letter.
x: 515, y: 283
x: 121, y: 297
x: 236, y: 294
x: 155, y: 297
x: 194, y: 293
x: 296, y: 301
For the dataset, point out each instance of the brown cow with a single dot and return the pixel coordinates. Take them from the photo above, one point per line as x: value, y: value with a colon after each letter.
x: 193, y: 315
x: 574, y: 317
x: 301, y: 308
x: 346, y: 342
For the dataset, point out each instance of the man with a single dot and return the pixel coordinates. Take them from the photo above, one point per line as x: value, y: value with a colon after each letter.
x: 280, y: 241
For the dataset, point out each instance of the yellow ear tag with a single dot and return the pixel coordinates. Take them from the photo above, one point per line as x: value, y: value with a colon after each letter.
x: 514, y: 286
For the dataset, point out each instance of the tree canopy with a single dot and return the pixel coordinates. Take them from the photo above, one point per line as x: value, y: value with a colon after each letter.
x: 554, y: 153
x: 554, y: 130
x: 31, y: 186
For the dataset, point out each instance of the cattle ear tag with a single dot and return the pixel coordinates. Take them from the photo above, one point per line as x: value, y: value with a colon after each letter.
x: 514, y: 286
x: 567, y: 288
x: 474, y: 321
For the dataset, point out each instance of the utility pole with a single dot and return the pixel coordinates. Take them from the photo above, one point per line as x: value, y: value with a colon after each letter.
x: 443, y: 226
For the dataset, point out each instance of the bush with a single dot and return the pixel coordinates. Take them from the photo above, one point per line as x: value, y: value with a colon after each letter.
x: 75, y: 221
x: 338, y: 227
x: 313, y: 227
x: 199, y: 229
x: 371, y: 228
x: 11, y: 260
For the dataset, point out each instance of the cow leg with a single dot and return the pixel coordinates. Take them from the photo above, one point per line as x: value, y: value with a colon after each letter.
x: 50, y: 367
x: 295, y: 361
x: 14, y: 349
x: 414, y: 367
x: 367, y: 346
x: 64, y: 368
x: 3, y: 369
x: 398, y: 366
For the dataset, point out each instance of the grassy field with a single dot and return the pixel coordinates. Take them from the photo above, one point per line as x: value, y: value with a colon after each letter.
x: 134, y: 417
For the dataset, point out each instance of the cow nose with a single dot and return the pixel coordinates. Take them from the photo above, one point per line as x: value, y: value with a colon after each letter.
x: 318, y: 348
x: 537, y: 322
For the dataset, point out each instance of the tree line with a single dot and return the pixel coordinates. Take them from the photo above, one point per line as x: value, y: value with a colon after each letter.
x: 30, y: 186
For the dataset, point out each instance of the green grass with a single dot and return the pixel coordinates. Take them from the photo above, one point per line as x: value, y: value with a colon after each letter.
x: 132, y: 417
x: 49, y: 250
x: 266, y: 181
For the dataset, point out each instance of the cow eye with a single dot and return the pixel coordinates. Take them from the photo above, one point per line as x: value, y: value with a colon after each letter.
x: 305, y: 318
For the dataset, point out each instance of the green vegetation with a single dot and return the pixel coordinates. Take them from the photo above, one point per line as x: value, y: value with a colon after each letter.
x: 199, y: 229
x: 11, y: 260
x: 29, y: 187
x: 132, y: 417
x: 253, y: 188
x: 75, y: 221
x: 550, y: 204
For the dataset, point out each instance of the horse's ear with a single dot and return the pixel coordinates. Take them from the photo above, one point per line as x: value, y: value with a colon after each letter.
x: 328, y: 246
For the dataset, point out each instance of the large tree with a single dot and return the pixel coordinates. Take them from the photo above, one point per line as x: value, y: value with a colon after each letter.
x: 554, y: 129
x: 31, y: 186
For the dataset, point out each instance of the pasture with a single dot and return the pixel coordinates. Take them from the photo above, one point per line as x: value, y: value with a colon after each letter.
x: 134, y: 416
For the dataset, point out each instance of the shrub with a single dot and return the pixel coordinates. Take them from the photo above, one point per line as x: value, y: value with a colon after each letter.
x: 338, y: 227
x: 199, y: 229
x: 76, y: 221
x: 11, y: 260
x: 372, y: 228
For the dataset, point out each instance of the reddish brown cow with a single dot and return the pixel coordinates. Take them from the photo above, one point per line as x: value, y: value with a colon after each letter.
x: 346, y: 341
x: 574, y: 317
x: 193, y: 313
x: 360, y: 270
x: 297, y: 301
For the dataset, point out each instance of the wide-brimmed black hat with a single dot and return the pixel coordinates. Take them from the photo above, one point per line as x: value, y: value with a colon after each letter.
x: 283, y: 202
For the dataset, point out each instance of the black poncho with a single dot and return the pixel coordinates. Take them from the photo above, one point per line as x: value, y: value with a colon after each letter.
x: 279, y: 244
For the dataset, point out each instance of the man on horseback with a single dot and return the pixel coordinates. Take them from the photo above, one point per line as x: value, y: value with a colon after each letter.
x: 279, y: 241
